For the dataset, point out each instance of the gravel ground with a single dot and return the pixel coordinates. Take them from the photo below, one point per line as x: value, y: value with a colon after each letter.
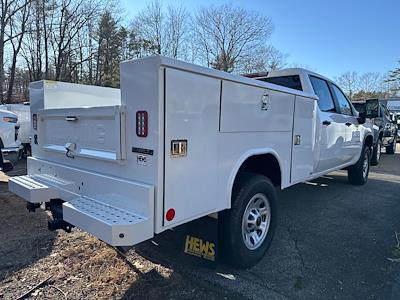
x: 333, y: 241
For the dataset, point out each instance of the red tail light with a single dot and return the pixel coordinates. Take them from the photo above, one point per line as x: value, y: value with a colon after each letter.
x: 142, y: 123
x: 34, y: 121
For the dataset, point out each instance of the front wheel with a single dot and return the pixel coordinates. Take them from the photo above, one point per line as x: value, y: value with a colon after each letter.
x: 358, y: 173
x: 248, y: 227
x: 391, y: 149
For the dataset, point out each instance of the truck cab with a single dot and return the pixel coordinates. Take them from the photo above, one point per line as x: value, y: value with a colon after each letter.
x: 340, y: 131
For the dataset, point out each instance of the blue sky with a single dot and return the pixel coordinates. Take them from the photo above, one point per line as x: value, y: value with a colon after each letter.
x: 331, y: 37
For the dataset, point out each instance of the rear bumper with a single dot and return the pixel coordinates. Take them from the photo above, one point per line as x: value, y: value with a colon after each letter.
x: 117, y: 211
x: 12, y: 154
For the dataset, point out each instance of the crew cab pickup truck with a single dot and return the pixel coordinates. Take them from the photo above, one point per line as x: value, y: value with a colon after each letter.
x: 180, y: 142
x: 386, y: 128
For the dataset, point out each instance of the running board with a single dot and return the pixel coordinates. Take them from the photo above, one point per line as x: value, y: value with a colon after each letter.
x: 32, y: 190
x: 113, y: 225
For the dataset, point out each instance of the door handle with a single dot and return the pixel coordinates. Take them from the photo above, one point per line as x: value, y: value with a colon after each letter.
x: 348, y: 124
x: 326, y: 123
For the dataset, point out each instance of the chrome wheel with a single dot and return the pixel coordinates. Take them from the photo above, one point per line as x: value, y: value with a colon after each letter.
x: 365, y: 165
x: 256, y: 221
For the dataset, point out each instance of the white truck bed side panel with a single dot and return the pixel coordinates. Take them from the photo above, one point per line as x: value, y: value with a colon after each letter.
x: 250, y: 143
x: 142, y: 89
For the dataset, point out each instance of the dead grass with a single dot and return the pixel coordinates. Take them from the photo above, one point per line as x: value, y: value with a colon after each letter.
x: 80, y: 266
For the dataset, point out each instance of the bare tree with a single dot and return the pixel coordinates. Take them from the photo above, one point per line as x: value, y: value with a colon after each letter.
x: 72, y: 17
x: 349, y: 83
x: 9, y: 8
x: 149, y: 25
x: 16, y: 35
x: 369, y: 82
x: 263, y: 59
x: 176, y: 30
x: 226, y: 35
x: 159, y: 31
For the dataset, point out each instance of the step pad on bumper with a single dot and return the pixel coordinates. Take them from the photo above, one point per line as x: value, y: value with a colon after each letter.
x: 115, y: 226
x: 32, y: 190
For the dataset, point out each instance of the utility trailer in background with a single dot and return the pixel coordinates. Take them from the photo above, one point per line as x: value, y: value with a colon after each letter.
x: 177, y: 143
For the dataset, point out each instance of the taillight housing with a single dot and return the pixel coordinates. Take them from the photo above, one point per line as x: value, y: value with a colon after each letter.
x: 34, y: 121
x: 142, y: 121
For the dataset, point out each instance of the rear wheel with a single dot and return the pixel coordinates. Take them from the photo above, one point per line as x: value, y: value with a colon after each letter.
x: 391, y: 149
x: 376, y: 153
x: 248, y: 227
x: 358, y: 173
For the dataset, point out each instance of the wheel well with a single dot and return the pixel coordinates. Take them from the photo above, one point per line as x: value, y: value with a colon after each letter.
x: 369, y: 141
x: 264, y: 164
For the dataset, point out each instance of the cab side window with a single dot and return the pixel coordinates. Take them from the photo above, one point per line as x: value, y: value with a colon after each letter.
x: 387, y: 114
x: 344, y: 105
x: 321, y: 89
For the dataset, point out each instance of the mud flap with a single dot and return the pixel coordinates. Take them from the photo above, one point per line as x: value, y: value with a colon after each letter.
x: 201, y: 241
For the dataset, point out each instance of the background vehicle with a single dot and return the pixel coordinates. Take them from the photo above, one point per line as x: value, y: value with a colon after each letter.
x: 180, y: 142
x: 398, y: 125
x: 393, y: 105
x: 24, y: 122
x: 386, y: 132
x: 10, y: 145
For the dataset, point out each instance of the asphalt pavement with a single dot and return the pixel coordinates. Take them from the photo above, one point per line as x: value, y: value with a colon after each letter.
x: 333, y: 241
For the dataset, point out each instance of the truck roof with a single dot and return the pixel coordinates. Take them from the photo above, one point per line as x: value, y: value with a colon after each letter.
x: 177, y: 64
x: 302, y: 73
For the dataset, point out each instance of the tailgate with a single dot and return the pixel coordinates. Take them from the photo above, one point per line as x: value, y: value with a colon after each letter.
x: 92, y: 132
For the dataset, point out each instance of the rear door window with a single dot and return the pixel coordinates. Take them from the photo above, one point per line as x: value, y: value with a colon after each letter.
x: 292, y: 82
x: 321, y: 89
x: 344, y: 105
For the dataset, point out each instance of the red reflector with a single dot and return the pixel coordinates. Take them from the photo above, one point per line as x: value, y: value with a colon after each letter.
x: 141, y: 123
x: 34, y: 121
x: 170, y: 214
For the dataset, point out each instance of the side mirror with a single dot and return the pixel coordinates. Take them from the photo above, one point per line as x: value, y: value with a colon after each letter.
x: 372, y: 108
x: 361, y: 118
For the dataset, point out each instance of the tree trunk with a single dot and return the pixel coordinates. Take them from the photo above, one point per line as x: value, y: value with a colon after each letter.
x: 2, y: 77
x: 12, y: 77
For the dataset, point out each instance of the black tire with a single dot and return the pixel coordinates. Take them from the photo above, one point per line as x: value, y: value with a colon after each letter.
x: 249, y: 186
x: 355, y: 173
x: 391, y: 149
x: 376, y: 153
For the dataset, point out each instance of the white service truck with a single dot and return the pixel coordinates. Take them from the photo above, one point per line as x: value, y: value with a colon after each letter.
x: 22, y: 111
x: 180, y: 142
x: 10, y: 145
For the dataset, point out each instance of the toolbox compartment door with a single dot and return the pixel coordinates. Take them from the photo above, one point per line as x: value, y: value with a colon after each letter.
x: 191, y: 116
